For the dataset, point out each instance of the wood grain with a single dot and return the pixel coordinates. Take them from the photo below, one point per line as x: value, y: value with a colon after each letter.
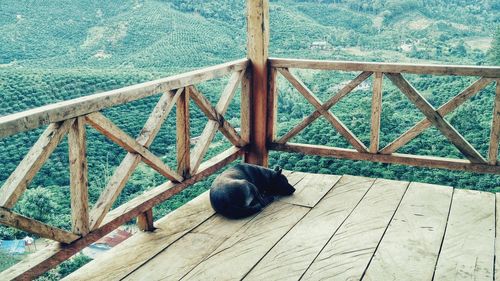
x: 78, y: 177
x: 347, y: 254
x: 298, y: 248
x: 310, y: 190
x: 376, y: 112
x: 237, y: 255
x: 495, y: 128
x: 462, y: 70
x: 344, y: 91
x: 395, y: 158
x: 141, y: 247
x: 410, y: 246
x: 24, y: 173
x: 436, y: 119
x: 330, y: 117
x: 145, y: 221
x: 34, y: 118
x: 445, y: 109
x: 468, y: 249
x: 183, y: 135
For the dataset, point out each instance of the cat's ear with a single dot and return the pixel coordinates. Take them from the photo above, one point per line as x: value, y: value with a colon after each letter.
x: 278, y: 170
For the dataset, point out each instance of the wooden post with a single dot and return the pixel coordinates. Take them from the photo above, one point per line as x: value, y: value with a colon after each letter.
x: 183, y: 135
x: 257, y: 46
x: 145, y: 221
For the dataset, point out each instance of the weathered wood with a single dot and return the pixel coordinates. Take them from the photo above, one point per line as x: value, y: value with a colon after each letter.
x: 410, y: 246
x: 395, y: 158
x: 443, y: 110
x: 78, y: 177
x: 143, y: 246
x: 272, y: 106
x: 145, y: 221
x: 257, y: 53
x: 436, y: 119
x: 114, y: 133
x: 326, y: 106
x: 34, y: 118
x: 224, y: 127
x: 249, y: 244
x: 189, y: 251
x: 468, y: 249
x: 497, y: 234
x: 23, y: 223
x: 330, y: 117
x: 24, y: 173
x: 495, y: 128
x: 376, y: 112
x: 128, y: 165
x: 245, y: 107
x: 462, y: 70
x: 308, y: 194
x: 122, y: 214
x: 292, y: 255
x: 347, y: 254
x: 183, y: 134
x: 211, y: 127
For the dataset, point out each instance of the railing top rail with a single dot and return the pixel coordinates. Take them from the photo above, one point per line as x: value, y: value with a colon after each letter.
x: 34, y: 118
x: 462, y: 70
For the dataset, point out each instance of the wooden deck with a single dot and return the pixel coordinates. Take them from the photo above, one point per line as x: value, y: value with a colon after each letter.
x: 332, y: 228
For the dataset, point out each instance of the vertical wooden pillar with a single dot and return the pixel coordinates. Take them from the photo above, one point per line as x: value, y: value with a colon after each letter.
x: 183, y: 135
x: 78, y: 177
x: 145, y: 221
x: 257, y: 48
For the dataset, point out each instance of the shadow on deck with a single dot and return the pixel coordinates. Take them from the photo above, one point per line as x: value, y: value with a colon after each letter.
x: 332, y: 228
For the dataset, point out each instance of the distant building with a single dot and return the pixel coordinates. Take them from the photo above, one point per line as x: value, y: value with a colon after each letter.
x: 320, y: 45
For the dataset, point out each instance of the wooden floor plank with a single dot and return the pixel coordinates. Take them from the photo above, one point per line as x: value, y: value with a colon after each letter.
x: 237, y: 255
x: 311, y: 189
x: 300, y: 246
x: 133, y: 252
x: 294, y: 177
x: 410, y: 246
x: 348, y: 253
x: 469, y: 243
x: 182, y: 256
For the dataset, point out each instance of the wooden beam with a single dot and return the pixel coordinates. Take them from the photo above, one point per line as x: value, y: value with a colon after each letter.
x: 257, y: 46
x: 34, y: 118
x: 145, y: 221
x: 462, y: 70
x: 436, y: 119
x: 128, y: 165
x: 183, y: 134
x: 211, y: 127
x: 336, y: 123
x: 114, y: 133
x: 376, y: 112
x: 23, y: 223
x: 272, y: 106
x: 24, y: 173
x: 226, y: 129
x: 395, y: 158
x: 245, y: 107
x: 43, y: 261
x: 326, y: 106
x: 495, y: 128
x: 443, y: 110
x: 78, y: 177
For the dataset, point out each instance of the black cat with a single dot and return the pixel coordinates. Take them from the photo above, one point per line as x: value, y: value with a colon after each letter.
x: 245, y: 189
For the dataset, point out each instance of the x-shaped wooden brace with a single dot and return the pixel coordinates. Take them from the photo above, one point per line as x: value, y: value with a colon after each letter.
x: 445, y: 109
x: 321, y: 108
x: 216, y: 119
x: 435, y: 118
x: 137, y: 151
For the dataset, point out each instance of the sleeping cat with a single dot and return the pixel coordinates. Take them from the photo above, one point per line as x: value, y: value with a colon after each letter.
x: 245, y: 189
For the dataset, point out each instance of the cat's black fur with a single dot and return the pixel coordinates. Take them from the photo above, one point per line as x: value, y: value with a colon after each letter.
x: 245, y: 189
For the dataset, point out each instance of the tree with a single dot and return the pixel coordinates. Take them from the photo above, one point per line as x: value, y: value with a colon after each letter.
x: 494, y: 52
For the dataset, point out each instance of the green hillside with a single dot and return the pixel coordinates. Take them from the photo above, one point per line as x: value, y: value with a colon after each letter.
x: 57, y: 50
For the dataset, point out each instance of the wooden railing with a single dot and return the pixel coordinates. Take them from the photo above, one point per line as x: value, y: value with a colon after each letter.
x: 71, y: 117
x: 474, y: 162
